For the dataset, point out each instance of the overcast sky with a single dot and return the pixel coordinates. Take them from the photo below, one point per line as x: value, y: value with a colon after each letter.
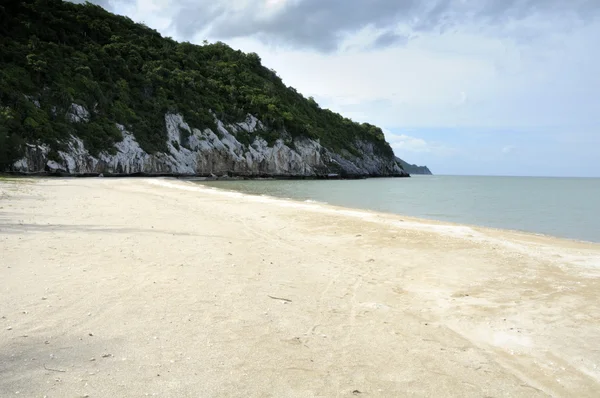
x: 502, y: 87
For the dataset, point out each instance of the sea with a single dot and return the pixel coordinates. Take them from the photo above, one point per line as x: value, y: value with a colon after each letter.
x: 561, y: 207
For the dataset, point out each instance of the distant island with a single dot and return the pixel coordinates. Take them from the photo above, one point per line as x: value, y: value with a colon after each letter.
x: 413, y: 168
x: 84, y: 92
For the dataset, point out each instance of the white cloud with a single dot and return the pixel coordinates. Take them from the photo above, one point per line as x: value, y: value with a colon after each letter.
x: 407, y: 143
x: 402, y: 144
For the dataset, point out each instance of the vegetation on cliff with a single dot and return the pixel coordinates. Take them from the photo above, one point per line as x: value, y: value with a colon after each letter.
x: 54, y: 54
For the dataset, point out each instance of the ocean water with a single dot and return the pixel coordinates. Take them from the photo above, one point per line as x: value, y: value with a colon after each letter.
x: 562, y: 207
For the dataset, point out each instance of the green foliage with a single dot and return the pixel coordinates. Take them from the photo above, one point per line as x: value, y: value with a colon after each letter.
x: 271, y: 136
x: 184, y: 136
x: 244, y: 138
x: 11, y: 142
x: 55, y: 53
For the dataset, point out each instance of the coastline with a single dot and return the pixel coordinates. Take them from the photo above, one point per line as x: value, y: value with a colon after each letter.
x: 475, y: 233
x: 210, y: 176
x: 402, y: 217
x: 170, y: 278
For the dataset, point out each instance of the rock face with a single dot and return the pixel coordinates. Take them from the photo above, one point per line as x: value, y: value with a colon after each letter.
x: 193, y: 152
x: 413, y: 168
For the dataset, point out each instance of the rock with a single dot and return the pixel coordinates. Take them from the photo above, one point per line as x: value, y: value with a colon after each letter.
x: 210, y: 154
x: 78, y: 114
x: 413, y: 168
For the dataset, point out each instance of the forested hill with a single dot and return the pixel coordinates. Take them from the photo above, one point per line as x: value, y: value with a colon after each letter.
x: 75, y: 70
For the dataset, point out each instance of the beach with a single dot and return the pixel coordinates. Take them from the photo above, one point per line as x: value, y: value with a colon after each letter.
x: 159, y: 287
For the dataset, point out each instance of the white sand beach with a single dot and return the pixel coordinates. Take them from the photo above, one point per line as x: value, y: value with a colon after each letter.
x: 159, y: 287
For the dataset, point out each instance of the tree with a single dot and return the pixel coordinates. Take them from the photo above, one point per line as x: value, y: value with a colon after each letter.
x: 10, y: 143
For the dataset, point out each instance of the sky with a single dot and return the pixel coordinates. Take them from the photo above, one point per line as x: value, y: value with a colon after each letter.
x: 476, y: 87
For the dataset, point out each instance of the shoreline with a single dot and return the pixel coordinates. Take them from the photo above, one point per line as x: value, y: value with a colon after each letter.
x: 228, y: 176
x: 414, y: 219
x: 476, y: 233
x: 128, y: 287
x: 197, y: 180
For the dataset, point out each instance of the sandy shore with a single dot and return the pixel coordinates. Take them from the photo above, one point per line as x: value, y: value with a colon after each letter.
x: 140, y: 287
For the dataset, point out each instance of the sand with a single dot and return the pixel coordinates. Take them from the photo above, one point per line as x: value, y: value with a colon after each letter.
x: 158, y: 287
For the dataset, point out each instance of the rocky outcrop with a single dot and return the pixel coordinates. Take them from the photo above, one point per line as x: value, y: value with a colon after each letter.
x: 413, y: 168
x: 194, y: 152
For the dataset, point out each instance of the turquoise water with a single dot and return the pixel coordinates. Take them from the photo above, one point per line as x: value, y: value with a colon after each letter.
x: 563, y: 207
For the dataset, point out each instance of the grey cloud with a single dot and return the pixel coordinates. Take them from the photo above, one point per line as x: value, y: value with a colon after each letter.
x: 502, y: 10
x: 390, y: 38
x: 307, y: 23
x: 323, y: 24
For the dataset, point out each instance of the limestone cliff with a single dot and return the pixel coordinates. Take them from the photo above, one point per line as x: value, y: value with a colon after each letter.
x: 195, y: 152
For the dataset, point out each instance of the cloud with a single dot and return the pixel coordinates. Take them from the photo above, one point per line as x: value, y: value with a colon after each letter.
x: 325, y: 25
x: 403, y: 144
x: 300, y: 23
x: 389, y: 38
x: 407, y: 143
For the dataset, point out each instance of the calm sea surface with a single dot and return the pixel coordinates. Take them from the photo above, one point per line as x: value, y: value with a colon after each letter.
x: 564, y: 207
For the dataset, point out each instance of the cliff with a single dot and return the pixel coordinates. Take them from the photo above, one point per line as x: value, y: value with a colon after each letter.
x: 84, y: 91
x: 196, y: 152
x: 413, y: 168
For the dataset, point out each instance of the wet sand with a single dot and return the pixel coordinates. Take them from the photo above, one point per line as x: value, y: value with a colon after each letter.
x: 158, y: 287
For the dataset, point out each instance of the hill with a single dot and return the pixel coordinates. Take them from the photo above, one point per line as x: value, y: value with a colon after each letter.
x: 413, y: 168
x: 86, y: 91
